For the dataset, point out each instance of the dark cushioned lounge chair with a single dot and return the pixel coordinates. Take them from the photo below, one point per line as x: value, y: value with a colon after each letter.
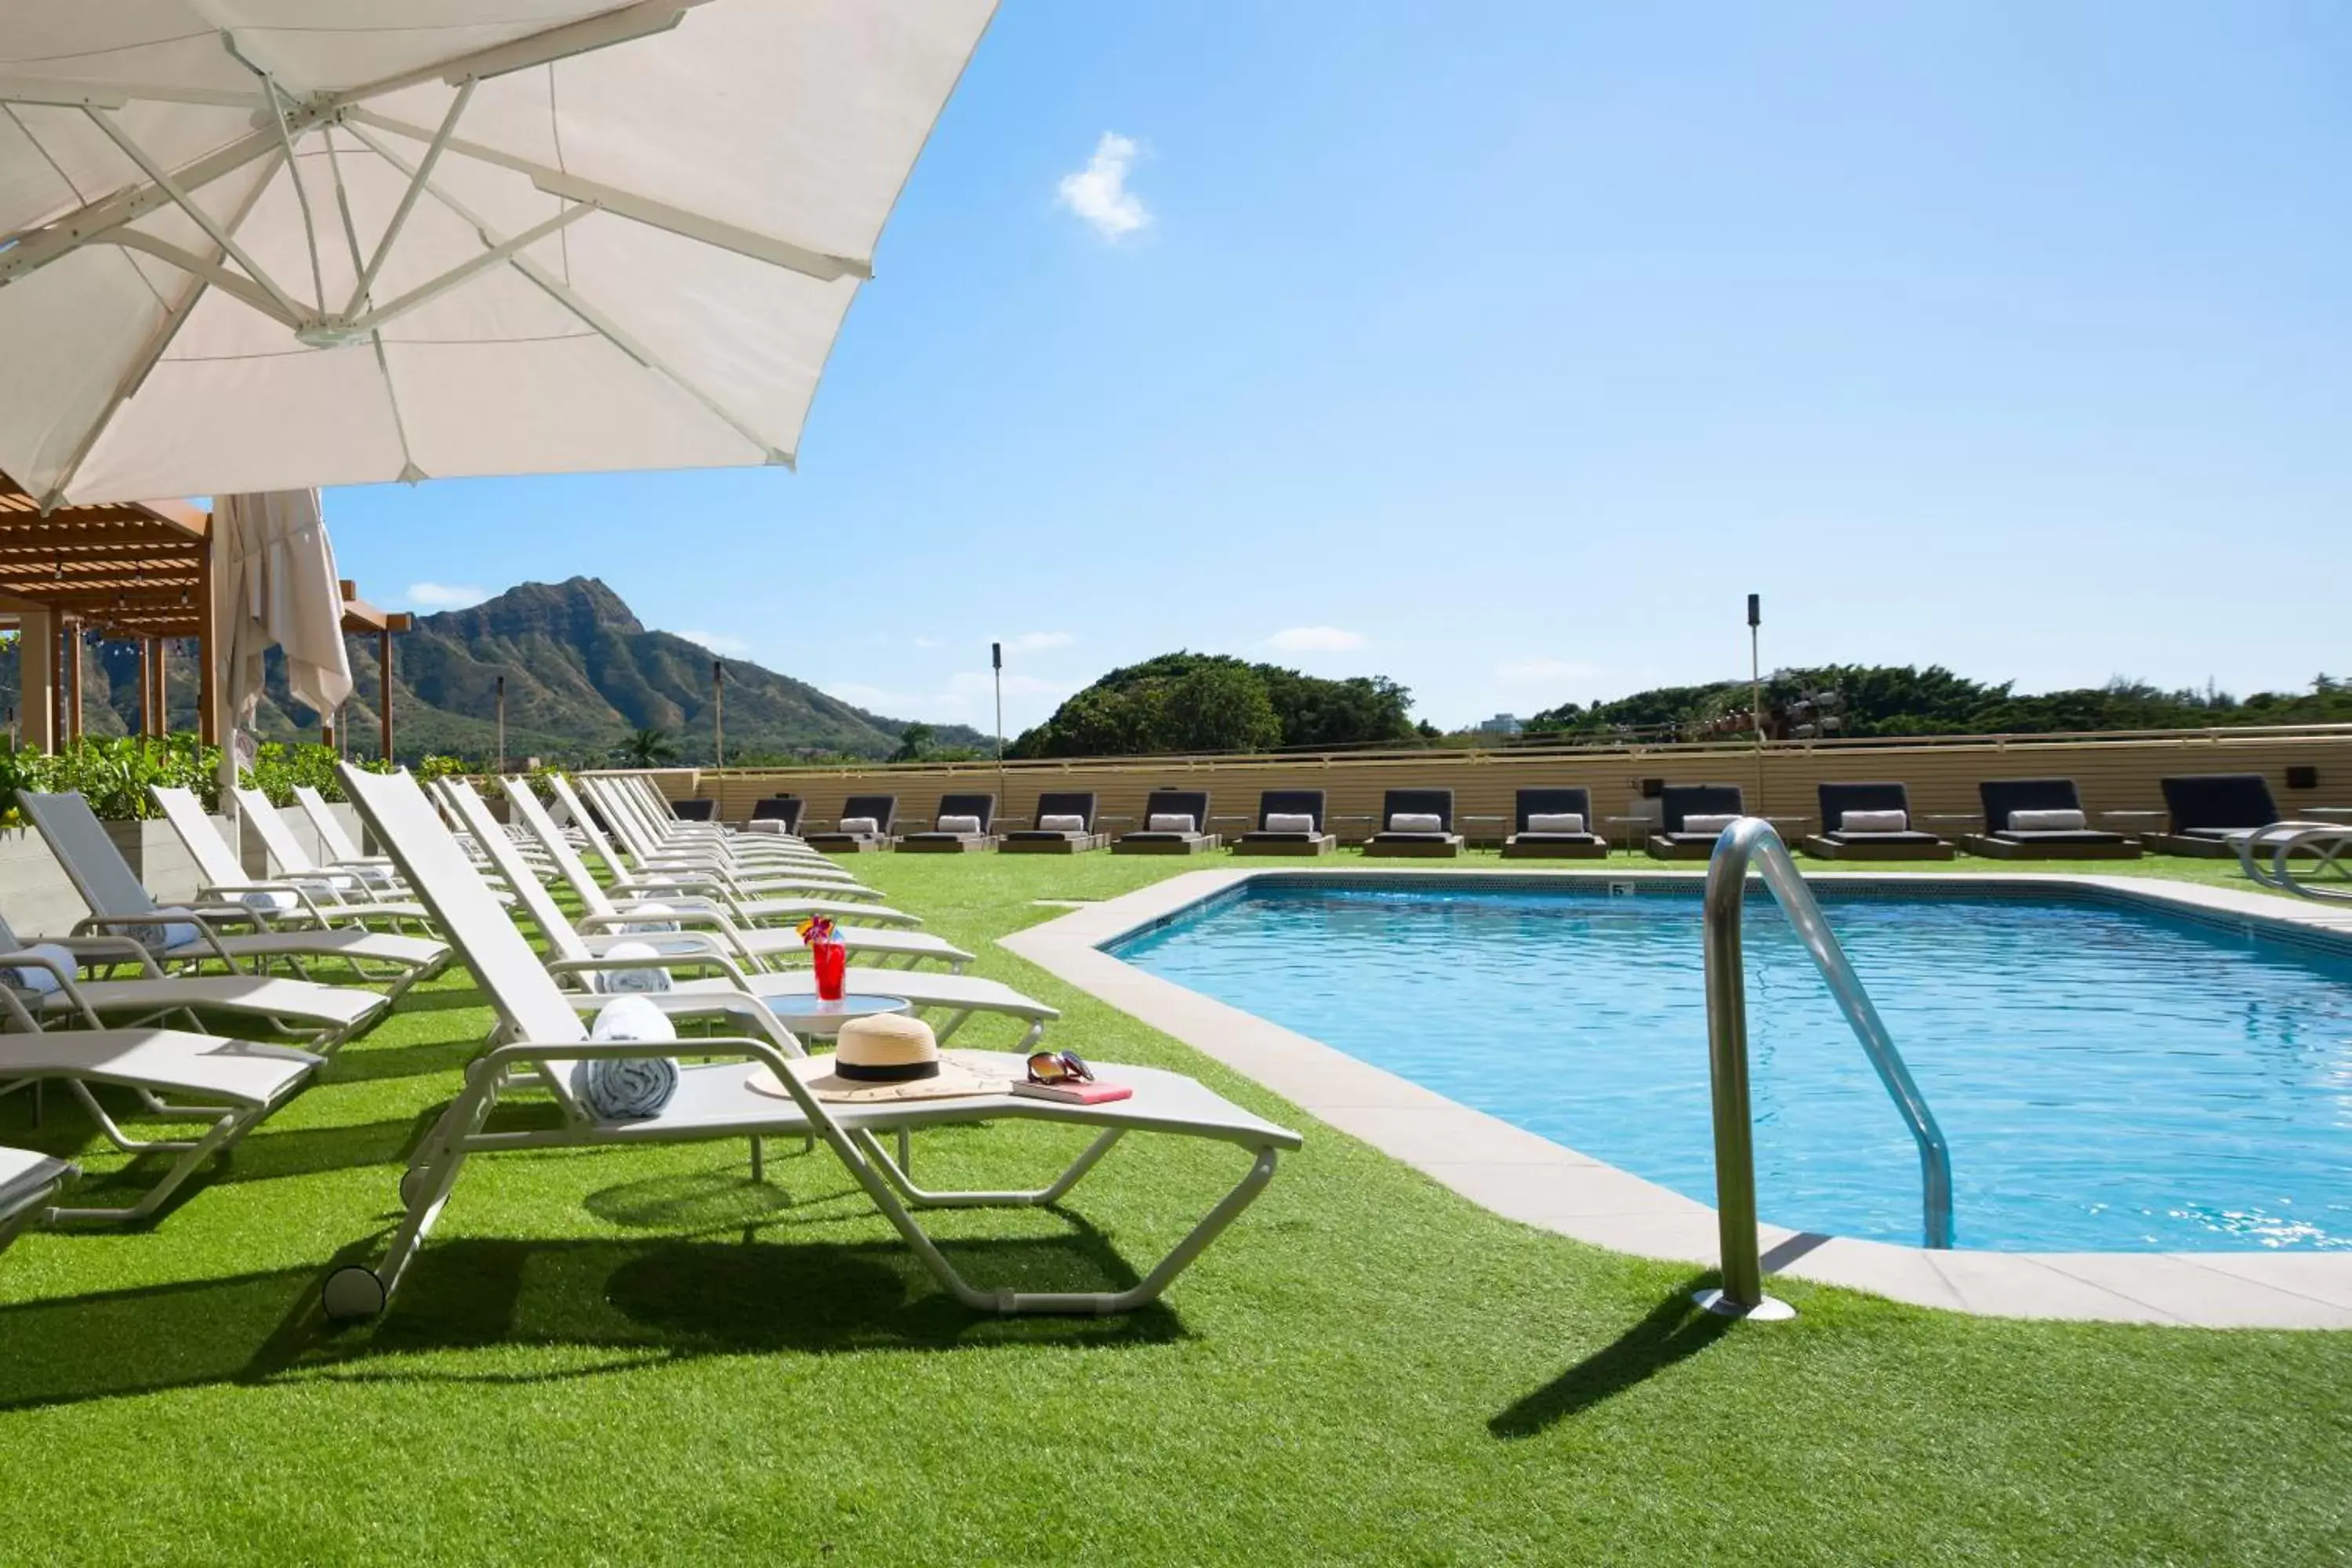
x: 779, y: 808
x: 1672, y: 841
x: 1038, y: 839
x: 1525, y: 845
x: 1834, y: 842
x: 934, y: 842
x: 1191, y: 803
x: 884, y: 811
x: 1443, y: 844
x: 2207, y: 807
x: 2001, y: 841
x: 1292, y: 803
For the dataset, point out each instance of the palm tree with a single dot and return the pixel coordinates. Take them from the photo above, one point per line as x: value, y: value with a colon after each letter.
x: 646, y: 748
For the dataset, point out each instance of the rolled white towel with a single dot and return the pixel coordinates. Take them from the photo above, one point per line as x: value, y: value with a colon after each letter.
x: 627, y: 1089
x: 1710, y: 821
x: 1416, y: 822
x: 1060, y: 821
x: 1290, y: 822
x: 1874, y: 822
x: 174, y: 928
x: 645, y: 918
x: 2049, y: 820
x: 764, y: 824
x: 1170, y: 822
x: 268, y: 901
x: 959, y: 824
x: 865, y: 826
x: 1555, y: 822
x: 620, y: 981
x: 34, y: 978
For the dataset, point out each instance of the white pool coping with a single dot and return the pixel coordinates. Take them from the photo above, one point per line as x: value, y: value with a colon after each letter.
x: 1531, y: 1179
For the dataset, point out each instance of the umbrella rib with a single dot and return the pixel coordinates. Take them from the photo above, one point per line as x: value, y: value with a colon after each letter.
x: 597, y: 321
x: 408, y: 197
x: 158, y: 344
x: 188, y: 204
x: 817, y: 264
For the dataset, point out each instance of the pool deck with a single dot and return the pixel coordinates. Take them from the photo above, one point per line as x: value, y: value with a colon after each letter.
x: 1537, y: 1181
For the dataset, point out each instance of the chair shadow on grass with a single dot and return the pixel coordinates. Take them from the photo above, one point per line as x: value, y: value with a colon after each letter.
x: 1674, y: 1330
x: 626, y: 1304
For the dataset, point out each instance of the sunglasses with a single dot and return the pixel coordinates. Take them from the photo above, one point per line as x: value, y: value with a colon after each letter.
x: 1059, y: 1067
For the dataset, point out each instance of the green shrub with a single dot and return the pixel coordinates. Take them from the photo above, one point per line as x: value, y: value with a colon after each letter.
x: 114, y: 774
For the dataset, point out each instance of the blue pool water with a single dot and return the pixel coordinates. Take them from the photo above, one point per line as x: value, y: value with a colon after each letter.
x: 2110, y: 1076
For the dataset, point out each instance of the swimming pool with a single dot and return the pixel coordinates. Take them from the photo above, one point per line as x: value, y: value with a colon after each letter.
x: 2111, y: 1076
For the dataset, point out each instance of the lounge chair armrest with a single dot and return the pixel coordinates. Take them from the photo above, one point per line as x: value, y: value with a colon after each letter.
x: 493, y: 1065
x: 110, y: 949
x: 207, y: 921
x: 65, y: 976
x: 604, y: 962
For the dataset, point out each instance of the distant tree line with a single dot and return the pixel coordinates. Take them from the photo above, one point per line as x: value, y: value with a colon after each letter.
x: 1214, y: 702
x: 1901, y: 700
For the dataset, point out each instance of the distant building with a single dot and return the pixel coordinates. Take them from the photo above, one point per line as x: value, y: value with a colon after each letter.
x: 1502, y: 724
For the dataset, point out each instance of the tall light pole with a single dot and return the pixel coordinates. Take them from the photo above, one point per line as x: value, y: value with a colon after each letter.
x: 502, y: 724
x: 1756, y: 689
x: 996, y: 669
x: 719, y: 713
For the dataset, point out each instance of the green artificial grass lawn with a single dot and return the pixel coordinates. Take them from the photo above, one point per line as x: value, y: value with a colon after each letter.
x: 640, y: 1356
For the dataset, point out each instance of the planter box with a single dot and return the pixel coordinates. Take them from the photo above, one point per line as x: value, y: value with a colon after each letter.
x: 37, y: 900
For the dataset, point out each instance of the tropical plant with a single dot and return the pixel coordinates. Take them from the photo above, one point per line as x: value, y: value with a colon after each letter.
x: 441, y: 766
x: 646, y: 748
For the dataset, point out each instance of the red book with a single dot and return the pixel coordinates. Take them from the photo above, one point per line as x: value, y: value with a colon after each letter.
x: 1074, y: 1092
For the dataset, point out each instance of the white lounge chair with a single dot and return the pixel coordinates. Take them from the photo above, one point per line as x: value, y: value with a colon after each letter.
x: 662, y: 833
x: 300, y: 895
x: 27, y: 1182
x: 118, y: 903
x: 343, y: 853
x: 946, y: 1001
x: 786, y: 889
x: 703, y: 927
x: 320, y: 1017
x: 226, y: 1085
x: 716, y: 1100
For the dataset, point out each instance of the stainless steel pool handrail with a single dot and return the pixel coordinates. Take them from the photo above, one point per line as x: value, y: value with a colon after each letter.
x: 1751, y: 840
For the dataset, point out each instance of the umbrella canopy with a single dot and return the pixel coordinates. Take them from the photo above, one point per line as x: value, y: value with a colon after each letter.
x: 274, y: 582
x: 255, y: 245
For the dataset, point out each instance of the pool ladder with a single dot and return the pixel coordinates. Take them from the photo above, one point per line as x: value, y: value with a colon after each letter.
x: 1751, y: 842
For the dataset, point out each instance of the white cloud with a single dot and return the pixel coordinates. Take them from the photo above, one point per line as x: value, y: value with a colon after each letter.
x: 1098, y: 192
x: 1316, y: 640
x: 1034, y: 642
x: 1540, y: 670
x: 720, y: 643
x: 928, y: 642
x: 446, y: 595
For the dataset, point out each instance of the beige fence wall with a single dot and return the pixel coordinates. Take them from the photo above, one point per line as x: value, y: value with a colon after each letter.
x: 2114, y: 773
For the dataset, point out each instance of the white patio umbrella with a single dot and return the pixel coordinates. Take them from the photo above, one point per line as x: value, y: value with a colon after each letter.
x: 274, y: 584
x: 260, y: 245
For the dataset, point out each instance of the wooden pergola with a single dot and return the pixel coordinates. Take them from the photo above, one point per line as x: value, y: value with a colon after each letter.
x: 137, y: 571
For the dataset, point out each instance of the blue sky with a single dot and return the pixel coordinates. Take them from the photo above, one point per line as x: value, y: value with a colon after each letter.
x: 1504, y: 349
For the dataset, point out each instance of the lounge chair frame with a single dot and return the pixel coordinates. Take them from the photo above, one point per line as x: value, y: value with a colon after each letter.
x: 549, y: 1036
x: 1191, y: 803
x: 1287, y: 803
x: 1444, y: 845
x: 882, y: 808
x: 1834, y: 843
x: 1523, y: 845
x: 1999, y: 797
x: 1036, y: 840
x: 934, y: 842
x: 1680, y: 801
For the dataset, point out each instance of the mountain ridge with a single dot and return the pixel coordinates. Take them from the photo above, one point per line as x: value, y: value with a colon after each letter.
x: 582, y: 671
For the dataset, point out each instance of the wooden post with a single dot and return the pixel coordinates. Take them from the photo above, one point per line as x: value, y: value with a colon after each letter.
x: 146, y: 688
x: 208, y: 728
x: 384, y: 686
x: 72, y: 652
x: 37, y: 675
x: 163, y: 687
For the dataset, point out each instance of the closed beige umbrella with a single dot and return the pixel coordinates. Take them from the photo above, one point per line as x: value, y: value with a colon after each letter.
x: 273, y: 582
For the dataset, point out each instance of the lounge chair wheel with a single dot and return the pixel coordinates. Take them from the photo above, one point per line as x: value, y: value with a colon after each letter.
x: 352, y: 1295
x: 412, y: 1181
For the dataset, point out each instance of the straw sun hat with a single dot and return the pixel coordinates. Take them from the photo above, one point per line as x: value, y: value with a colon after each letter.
x: 883, y: 1058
